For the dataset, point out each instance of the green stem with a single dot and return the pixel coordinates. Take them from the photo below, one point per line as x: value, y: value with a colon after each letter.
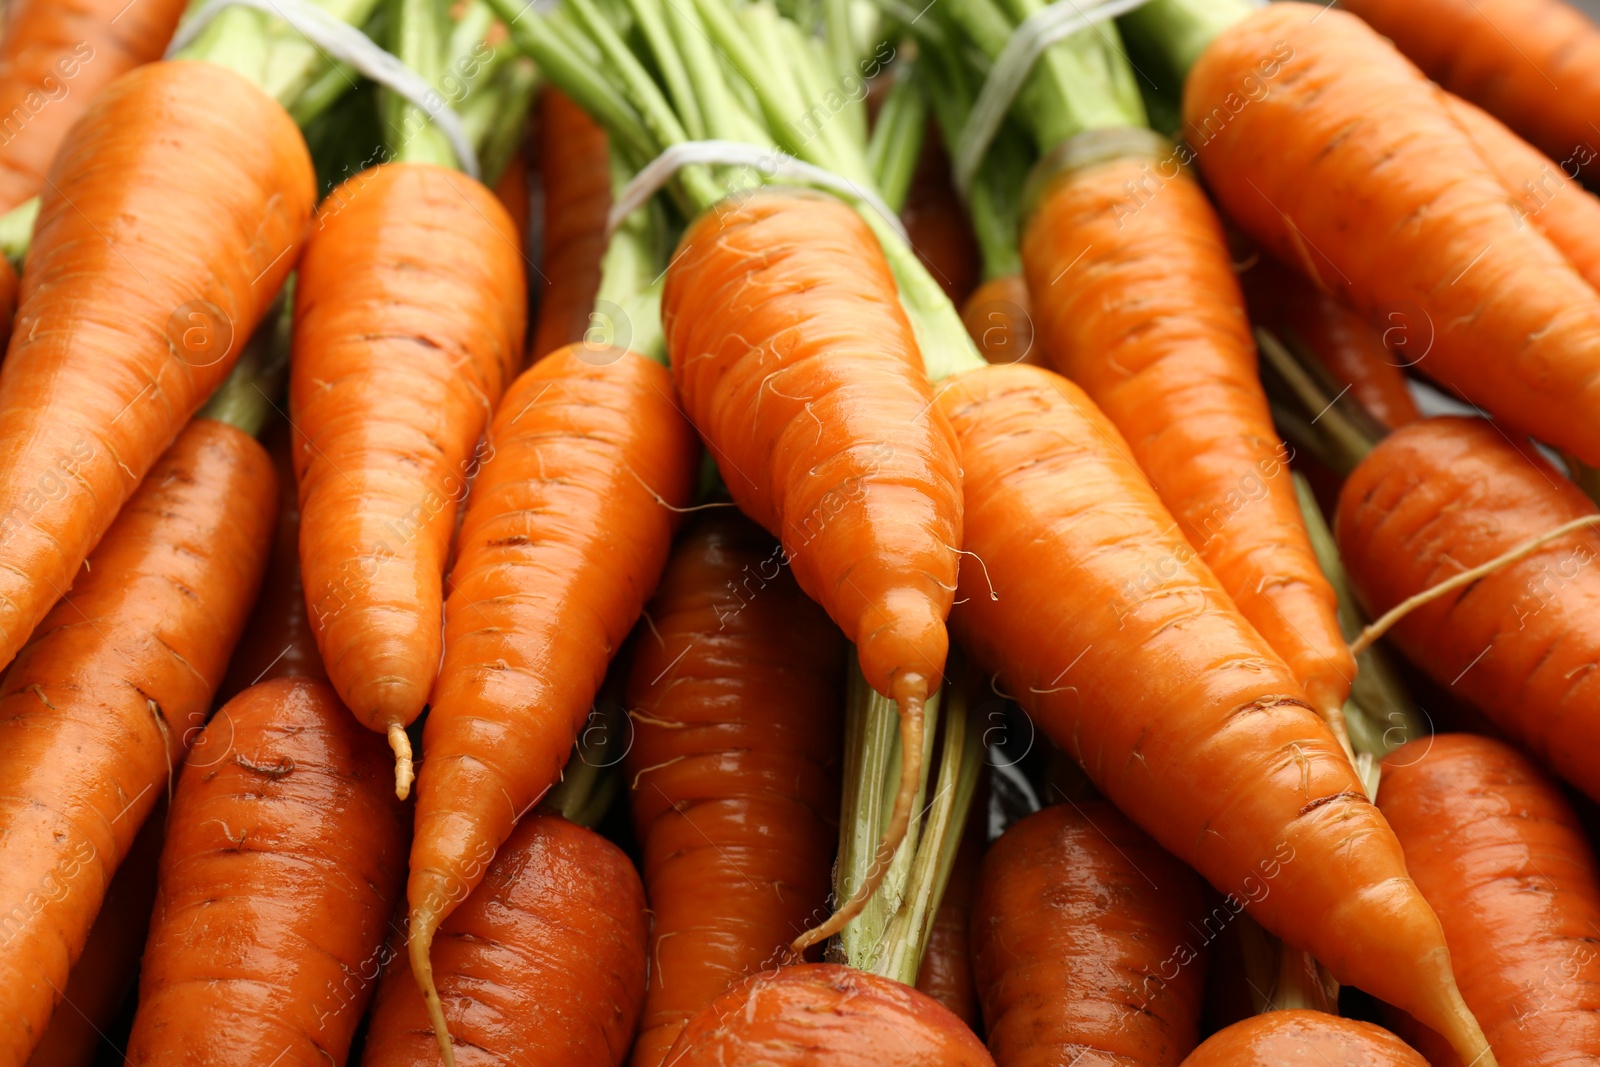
x: 246, y: 396
x: 268, y: 51
x: 496, y: 115
x: 1180, y: 30
x: 897, y: 139
x: 590, y: 782
x: 1348, y: 443
x: 16, y: 230
x: 418, y: 30
x: 628, y: 303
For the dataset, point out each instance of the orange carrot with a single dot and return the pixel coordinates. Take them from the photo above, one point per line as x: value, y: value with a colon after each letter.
x: 1301, y: 1038
x: 409, y: 317
x: 8, y: 299
x: 734, y: 696
x: 567, y: 529
x: 1084, y: 584
x: 55, y: 55
x: 1081, y: 941
x: 999, y: 316
x: 284, y: 858
x: 946, y: 971
x: 1500, y: 855
x: 512, y: 190
x: 108, y: 696
x: 1445, y: 495
x: 176, y: 208
x: 575, y: 168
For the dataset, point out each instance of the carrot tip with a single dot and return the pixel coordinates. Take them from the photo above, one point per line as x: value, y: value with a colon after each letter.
x: 422, y: 971
x: 404, y: 774
x: 1464, y: 1033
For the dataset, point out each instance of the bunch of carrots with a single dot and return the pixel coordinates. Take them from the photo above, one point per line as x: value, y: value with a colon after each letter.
x: 727, y: 531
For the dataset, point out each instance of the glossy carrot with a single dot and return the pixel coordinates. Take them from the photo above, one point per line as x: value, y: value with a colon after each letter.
x: 826, y: 1013
x: 1500, y: 855
x: 1446, y: 495
x: 1301, y: 1038
x: 1138, y: 305
x: 1534, y: 64
x: 1086, y: 936
x: 733, y: 773
x: 110, y: 693
x: 566, y: 532
x: 946, y: 971
x: 177, y: 206
x: 575, y: 169
x: 1350, y: 166
x: 1125, y: 650
x: 999, y: 316
x: 55, y: 55
x: 284, y: 859
x: 544, y: 963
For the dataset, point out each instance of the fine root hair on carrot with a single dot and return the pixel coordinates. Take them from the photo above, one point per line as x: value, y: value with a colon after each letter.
x: 404, y: 769
x: 1381, y: 626
x: 422, y: 968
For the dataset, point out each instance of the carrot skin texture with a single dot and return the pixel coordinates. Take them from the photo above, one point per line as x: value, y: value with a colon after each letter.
x: 1351, y: 167
x: 55, y: 55
x: 999, y: 317
x: 1501, y: 856
x: 1301, y: 1038
x: 544, y: 963
x: 946, y: 971
x: 284, y: 859
x: 1163, y: 693
x: 1139, y: 307
x: 202, y: 186
x: 735, y: 694
x: 575, y: 167
x: 83, y: 756
x: 409, y: 320
x: 826, y: 1013
x: 1446, y: 495
x: 1076, y: 914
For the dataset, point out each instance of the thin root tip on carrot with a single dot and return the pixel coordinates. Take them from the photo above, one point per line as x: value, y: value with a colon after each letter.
x: 422, y: 970
x: 1465, y: 1035
x: 404, y: 772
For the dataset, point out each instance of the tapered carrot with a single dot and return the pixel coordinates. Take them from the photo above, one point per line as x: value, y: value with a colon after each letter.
x: 1083, y: 942
x: 999, y: 316
x: 110, y: 693
x: 176, y: 208
x: 734, y: 698
x: 575, y: 171
x: 1085, y: 583
x: 284, y: 859
x: 55, y: 55
x: 566, y: 532
x: 1301, y: 1038
x: 1500, y: 855
x: 946, y: 971
x: 1446, y: 495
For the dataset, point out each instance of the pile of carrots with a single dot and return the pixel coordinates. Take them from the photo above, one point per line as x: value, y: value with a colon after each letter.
x: 817, y: 533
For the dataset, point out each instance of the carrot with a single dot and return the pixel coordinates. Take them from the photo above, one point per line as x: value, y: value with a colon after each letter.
x: 1534, y: 64
x: 1448, y: 494
x: 514, y: 194
x: 734, y: 696
x: 108, y: 696
x: 1084, y: 583
x: 409, y: 316
x: 826, y: 1013
x: 202, y: 187
x: 566, y: 533
x: 575, y: 169
x: 938, y: 228
x: 8, y: 299
x: 999, y: 316
x: 1500, y: 855
x: 1082, y: 931
x: 946, y: 970
x: 1301, y: 1038
x: 55, y: 55
x: 284, y: 858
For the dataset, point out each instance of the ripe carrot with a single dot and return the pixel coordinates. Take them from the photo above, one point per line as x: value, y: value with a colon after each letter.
x: 1078, y: 927
x: 567, y: 529
x: 1135, y: 300
x: 1085, y: 583
x: 543, y: 963
x: 946, y: 970
x: 1310, y: 163
x: 1534, y: 64
x: 409, y: 316
x: 177, y: 206
x: 575, y: 169
x: 94, y: 715
x: 824, y: 1012
x: 55, y: 55
x: 1448, y: 494
x: 512, y: 190
x: 734, y: 696
x: 1302, y: 1038
x: 1500, y: 855
x: 999, y: 316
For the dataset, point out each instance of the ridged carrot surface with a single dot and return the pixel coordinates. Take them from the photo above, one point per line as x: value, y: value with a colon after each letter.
x: 55, y: 55
x: 1126, y: 651
x: 1349, y: 165
x: 1301, y: 1038
x: 108, y: 696
x: 1448, y: 494
x: 1501, y: 856
x: 409, y: 316
x: 543, y: 964
x: 946, y: 970
x: 735, y: 697
x: 575, y: 169
x: 1080, y: 929
x: 178, y: 205
x: 999, y: 316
